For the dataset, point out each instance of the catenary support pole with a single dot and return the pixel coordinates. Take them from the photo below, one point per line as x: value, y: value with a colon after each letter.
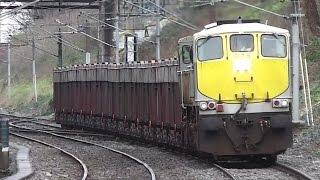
x: 295, y: 66
x: 60, y: 61
x: 9, y: 69
x: 158, y: 47
x: 34, y: 75
x: 117, y: 33
x: 100, y: 47
x: 108, y: 32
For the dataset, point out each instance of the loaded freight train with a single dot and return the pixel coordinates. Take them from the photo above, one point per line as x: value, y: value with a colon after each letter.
x: 228, y: 94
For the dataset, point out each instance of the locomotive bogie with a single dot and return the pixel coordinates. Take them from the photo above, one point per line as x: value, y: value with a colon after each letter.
x: 246, y: 134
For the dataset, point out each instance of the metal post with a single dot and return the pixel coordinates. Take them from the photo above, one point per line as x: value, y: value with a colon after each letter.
x: 108, y: 32
x: 117, y: 30
x: 9, y: 69
x: 88, y: 43
x: 4, y: 137
x: 60, y: 63
x: 88, y: 59
x: 34, y: 75
x: 158, y: 47
x: 295, y: 66
x: 101, y: 35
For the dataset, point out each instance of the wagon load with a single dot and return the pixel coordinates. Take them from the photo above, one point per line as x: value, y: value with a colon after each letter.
x: 138, y: 99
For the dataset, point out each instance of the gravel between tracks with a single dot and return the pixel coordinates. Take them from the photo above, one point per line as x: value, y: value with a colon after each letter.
x: 305, y: 153
x: 101, y: 163
x: 166, y: 164
x: 49, y: 163
x: 264, y: 173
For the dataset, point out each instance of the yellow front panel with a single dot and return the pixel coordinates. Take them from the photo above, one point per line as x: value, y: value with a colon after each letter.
x: 240, y: 73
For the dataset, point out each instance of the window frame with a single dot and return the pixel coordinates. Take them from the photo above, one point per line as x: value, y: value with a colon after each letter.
x: 190, y: 53
x: 222, y: 48
x: 286, y: 48
x: 230, y: 42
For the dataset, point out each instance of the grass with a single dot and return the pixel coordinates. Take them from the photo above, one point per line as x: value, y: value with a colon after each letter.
x: 313, y: 50
x: 22, y: 98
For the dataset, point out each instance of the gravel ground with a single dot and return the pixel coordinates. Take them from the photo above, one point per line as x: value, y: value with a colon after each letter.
x: 49, y: 163
x: 101, y: 163
x: 13, y: 164
x: 166, y: 164
x: 305, y: 153
x: 265, y: 173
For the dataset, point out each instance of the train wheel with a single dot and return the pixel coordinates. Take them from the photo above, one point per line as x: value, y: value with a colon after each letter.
x: 271, y: 159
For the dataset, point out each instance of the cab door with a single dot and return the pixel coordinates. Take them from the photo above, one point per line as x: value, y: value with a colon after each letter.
x: 186, y: 72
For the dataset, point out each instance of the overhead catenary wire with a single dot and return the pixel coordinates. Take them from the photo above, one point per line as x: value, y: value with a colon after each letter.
x: 65, y: 42
x: 110, y: 25
x: 21, y: 56
x: 18, y: 9
x: 261, y: 9
x: 172, y: 20
x: 43, y: 50
x: 171, y: 13
x: 64, y: 24
x: 11, y: 3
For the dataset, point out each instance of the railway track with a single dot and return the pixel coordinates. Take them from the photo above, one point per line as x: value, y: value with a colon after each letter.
x: 244, y: 170
x: 83, y: 165
x: 58, y: 133
x: 293, y: 171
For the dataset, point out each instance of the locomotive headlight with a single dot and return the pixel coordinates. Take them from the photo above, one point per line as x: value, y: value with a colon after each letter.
x: 203, y: 106
x: 280, y: 103
x: 284, y: 103
x: 241, y: 65
x: 211, y: 105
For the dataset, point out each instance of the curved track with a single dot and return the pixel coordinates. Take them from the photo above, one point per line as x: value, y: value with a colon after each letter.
x: 225, y: 172
x: 56, y: 131
x: 84, y: 167
x: 148, y: 168
x: 295, y: 172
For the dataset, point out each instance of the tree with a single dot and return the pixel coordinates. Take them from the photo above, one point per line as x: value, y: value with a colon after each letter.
x: 313, y: 17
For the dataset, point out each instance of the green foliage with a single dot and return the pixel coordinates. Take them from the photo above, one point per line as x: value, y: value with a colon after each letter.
x: 22, y: 97
x: 313, y: 50
x: 315, y: 93
x: 256, y: 14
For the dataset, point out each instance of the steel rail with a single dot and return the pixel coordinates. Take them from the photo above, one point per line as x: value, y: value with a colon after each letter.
x: 299, y: 174
x: 63, y: 132
x: 58, y: 130
x: 84, y: 167
x: 226, y: 172
x: 148, y: 168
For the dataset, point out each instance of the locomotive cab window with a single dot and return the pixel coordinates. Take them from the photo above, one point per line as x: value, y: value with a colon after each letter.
x: 273, y: 45
x: 210, y: 48
x: 187, y: 54
x: 241, y: 43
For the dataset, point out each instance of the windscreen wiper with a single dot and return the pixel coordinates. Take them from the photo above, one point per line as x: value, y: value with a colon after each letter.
x: 278, y: 38
x: 206, y: 40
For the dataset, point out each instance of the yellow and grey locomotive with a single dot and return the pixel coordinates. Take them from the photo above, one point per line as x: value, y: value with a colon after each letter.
x: 236, y: 79
x: 228, y: 95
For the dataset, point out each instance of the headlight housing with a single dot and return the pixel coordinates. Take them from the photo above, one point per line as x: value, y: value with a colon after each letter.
x: 280, y: 103
x: 207, y: 105
x: 203, y: 106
